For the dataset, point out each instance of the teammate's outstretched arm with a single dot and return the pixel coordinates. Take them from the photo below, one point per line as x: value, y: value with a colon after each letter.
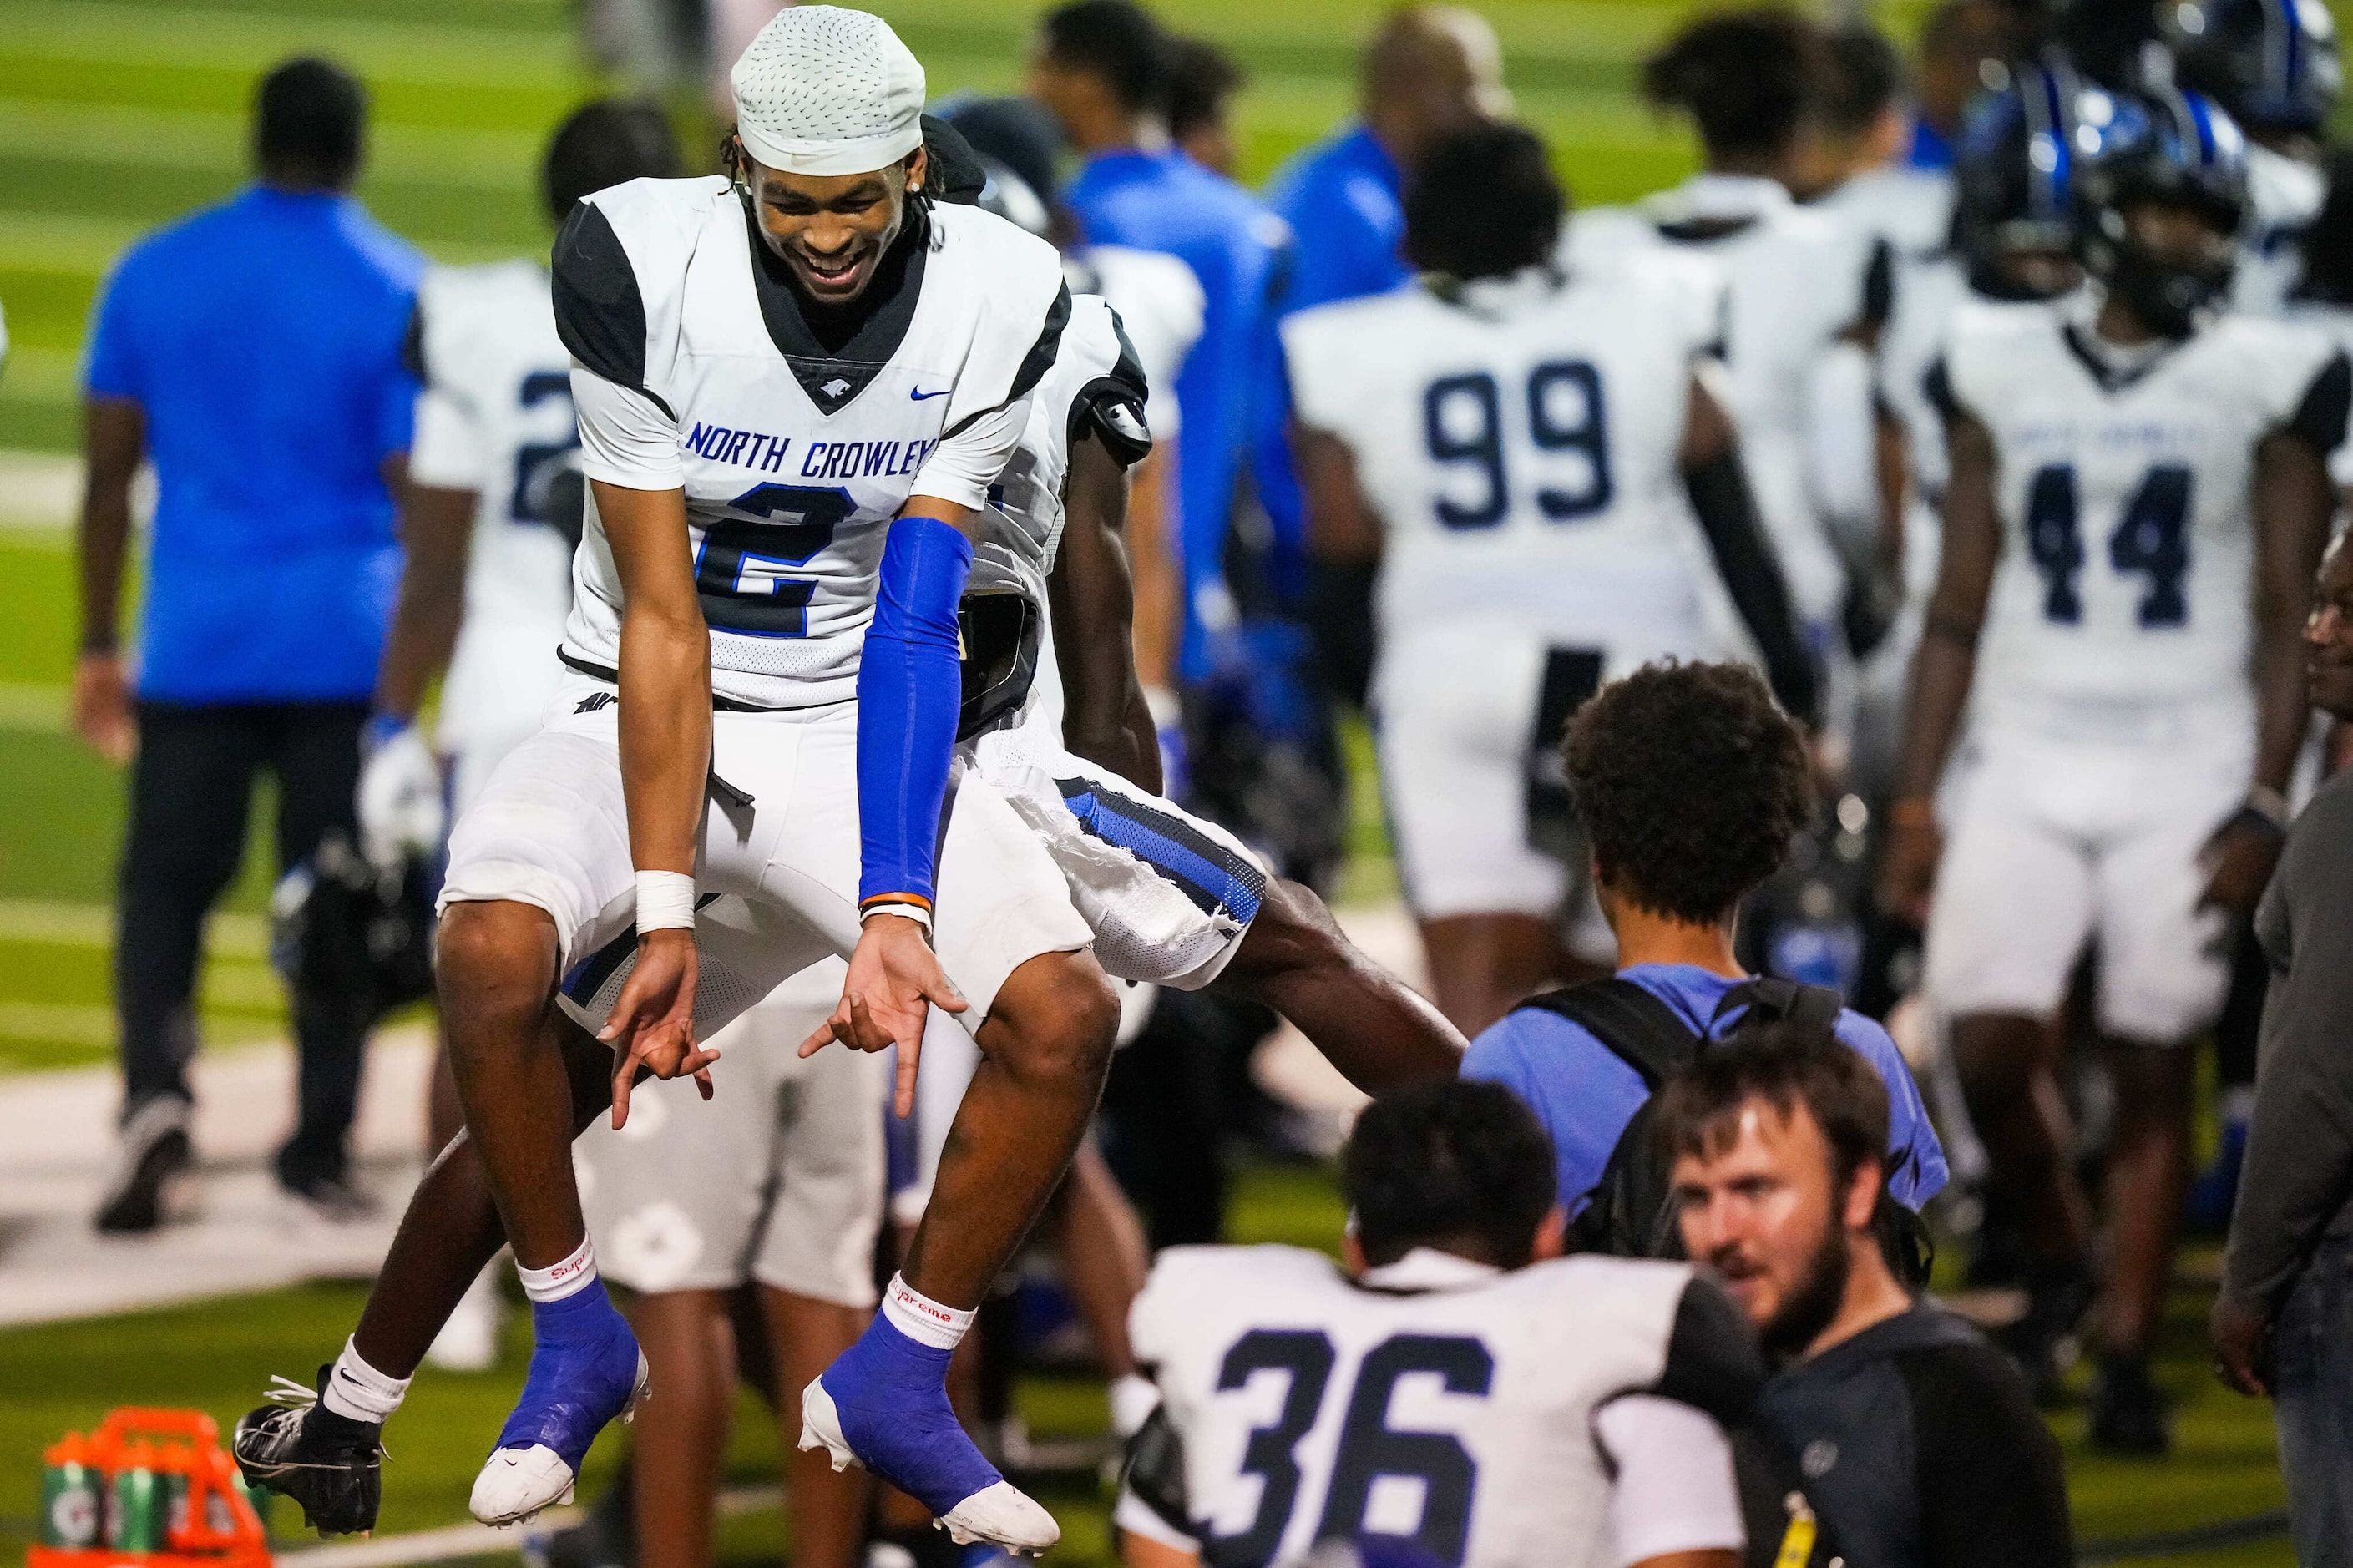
x: 1378, y: 1031
x: 665, y: 724
x: 1943, y: 666
x: 1717, y: 486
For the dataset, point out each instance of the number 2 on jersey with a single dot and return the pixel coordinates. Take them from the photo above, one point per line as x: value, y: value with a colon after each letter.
x: 1463, y: 423
x: 736, y: 571
x: 2152, y: 539
x: 1368, y: 1449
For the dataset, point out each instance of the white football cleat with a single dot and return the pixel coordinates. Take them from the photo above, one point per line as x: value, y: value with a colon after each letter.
x: 1001, y: 1515
x: 516, y: 1484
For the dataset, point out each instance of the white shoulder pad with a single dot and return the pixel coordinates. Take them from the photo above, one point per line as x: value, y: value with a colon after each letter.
x: 1324, y: 344
x: 461, y: 310
x: 1010, y: 283
x: 1192, y: 1290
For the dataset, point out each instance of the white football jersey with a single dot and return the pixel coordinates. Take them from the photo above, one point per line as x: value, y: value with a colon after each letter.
x: 1160, y: 305
x: 2286, y: 194
x: 1911, y: 209
x: 1796, y: 279
x: 2126, y: 583
x: 1519, y: 438
x: 1456, y: 1420
x: 1096, y: 376
x: 495, y: 418
x: 794, y: 459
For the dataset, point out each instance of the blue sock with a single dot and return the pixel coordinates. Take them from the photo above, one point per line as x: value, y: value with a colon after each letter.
x: 583, y: 1370
x: 891, y: 1393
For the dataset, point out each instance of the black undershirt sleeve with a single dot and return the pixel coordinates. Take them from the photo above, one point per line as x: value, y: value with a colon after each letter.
x: 2320, y: 419
x: 412, y: 344
x: 1156, y: 1469
x: 1339, y: 615
x: 1991, y: 1485
x: 1937, y: 384
x: 1726, y: 510
x: 599, y: 313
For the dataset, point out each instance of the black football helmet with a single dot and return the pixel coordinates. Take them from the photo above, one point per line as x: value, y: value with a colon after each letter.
x: 2273, y: 64
x: 2014, y: 170
x: 2169, y: 147
x: 341, y: 926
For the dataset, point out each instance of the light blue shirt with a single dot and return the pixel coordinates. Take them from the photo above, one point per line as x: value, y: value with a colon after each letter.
x: 1585, y: 1095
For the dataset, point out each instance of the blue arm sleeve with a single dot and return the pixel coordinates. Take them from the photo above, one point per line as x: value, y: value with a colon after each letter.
x: 908, y: 686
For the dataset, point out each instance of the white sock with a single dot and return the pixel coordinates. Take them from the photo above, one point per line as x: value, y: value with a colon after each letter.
x: 569, y: 1278
x: 923, y: 1319
x: 358, y: 1392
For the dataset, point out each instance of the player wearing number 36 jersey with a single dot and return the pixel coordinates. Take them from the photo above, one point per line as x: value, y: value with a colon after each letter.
x: 1459, y: 1395
x: 1521, y: 451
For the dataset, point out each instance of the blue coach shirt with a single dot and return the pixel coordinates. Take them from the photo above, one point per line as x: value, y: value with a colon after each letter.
x: 1585, y: 1095
x: 1344, y: 201
x: 1163, y: 201
x: 262, y: 339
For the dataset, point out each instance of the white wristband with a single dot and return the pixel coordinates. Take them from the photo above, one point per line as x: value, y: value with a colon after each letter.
x: 665, y: 901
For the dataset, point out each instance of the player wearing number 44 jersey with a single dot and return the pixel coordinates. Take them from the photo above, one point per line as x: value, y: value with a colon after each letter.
x: 1459, y: 1394
x: 1515, y: 446
x: 2139, y: 495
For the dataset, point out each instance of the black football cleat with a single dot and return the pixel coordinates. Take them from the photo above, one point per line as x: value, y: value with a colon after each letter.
x: 331, y: 1464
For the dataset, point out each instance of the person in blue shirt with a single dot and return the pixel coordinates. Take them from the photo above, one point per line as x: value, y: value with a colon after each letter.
x: 252, y: 353
x: 1102, y: 69
x: 1429, y: 70
x: 1690, y: 784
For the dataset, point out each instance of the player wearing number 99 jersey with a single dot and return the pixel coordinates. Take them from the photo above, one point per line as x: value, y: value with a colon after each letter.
x: 2137, y: 499
x: 1460, y: 1395
x: 1516, y: 447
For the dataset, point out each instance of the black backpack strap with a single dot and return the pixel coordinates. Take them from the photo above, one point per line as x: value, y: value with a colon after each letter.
x: 1770, y: 1000
x: 1639, y: 1029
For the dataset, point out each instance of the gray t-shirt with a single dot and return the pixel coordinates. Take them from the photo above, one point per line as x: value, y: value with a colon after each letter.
x: 2297, y: 1186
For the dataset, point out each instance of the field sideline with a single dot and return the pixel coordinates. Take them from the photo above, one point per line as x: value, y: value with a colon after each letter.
x: 118, y: 114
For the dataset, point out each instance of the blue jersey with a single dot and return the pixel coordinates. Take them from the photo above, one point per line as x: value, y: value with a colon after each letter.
x: 262, y: 339
x: 1585, y: 1095
x: 1344, y: 201
x: 1163, y: 201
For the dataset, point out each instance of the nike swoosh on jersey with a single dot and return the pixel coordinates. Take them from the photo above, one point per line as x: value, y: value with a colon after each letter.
x: 918, y: 396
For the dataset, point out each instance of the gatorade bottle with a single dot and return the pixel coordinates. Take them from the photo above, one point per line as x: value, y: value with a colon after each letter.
x: 135, y: 1522
x: 72, y: 1495
x: 175, y: 1466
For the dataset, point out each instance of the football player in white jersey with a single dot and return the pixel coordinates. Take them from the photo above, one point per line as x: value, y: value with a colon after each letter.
x: 2011, y: 243
x: 1458, y: 1393
x: 2324, y: 295
x: 2139, y: 495
x: 488, y: 525
x: 795, y: 387
x: 1179, y: 902
x: 1806, y: 291
x: 1515, y: 445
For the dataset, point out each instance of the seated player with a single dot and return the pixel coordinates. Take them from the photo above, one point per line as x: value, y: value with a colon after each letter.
x: 1521, y: 449
x: 1551, y: 1410
x: 2137, y: 501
